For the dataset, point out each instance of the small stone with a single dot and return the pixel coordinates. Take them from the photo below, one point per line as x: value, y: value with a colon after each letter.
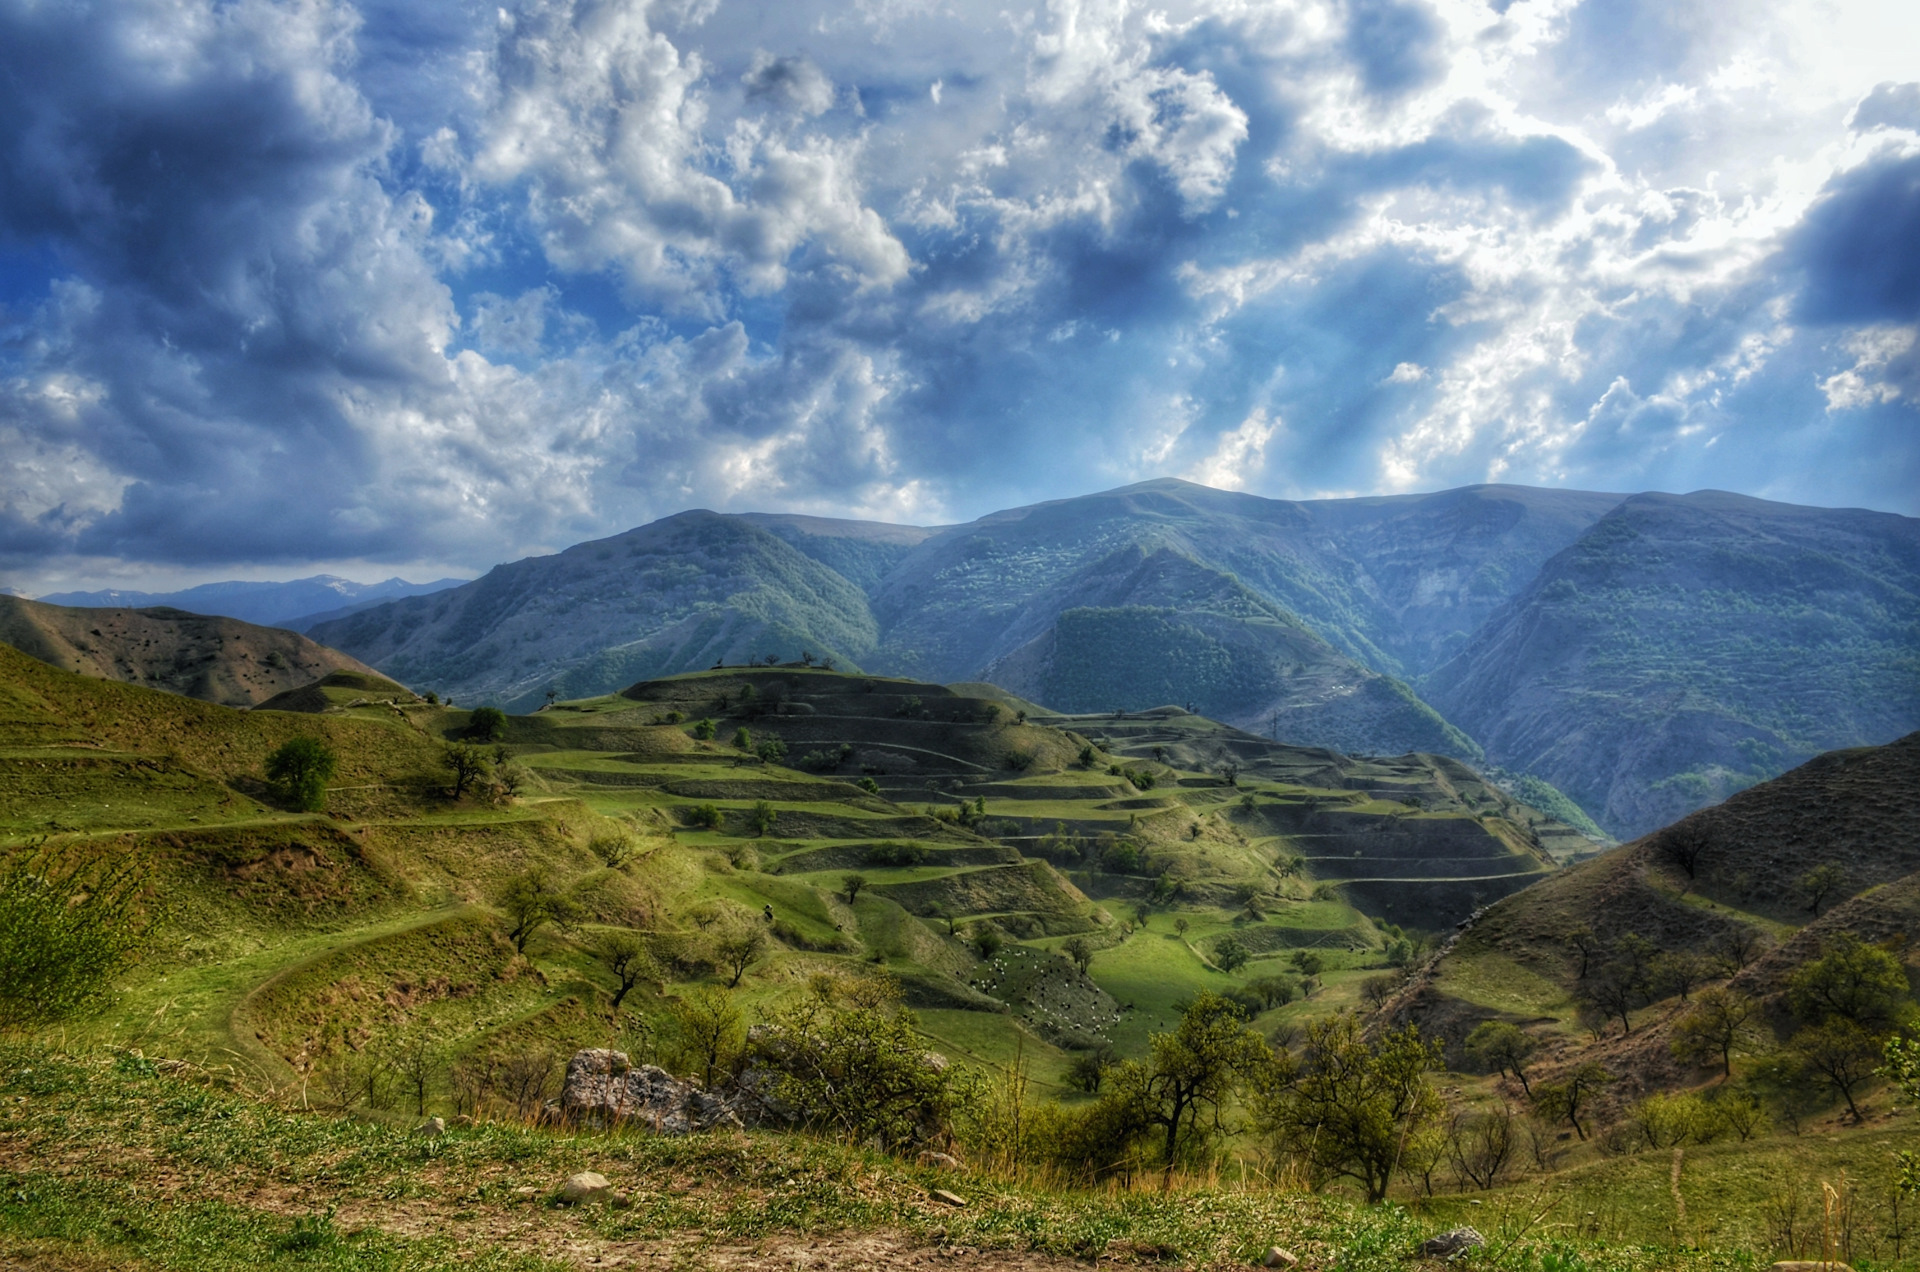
x: 1808, y: 1265
x: 526, y: 1194
x: 1278, y: 1258
x: 587, y: 1186
x: 941, y: 1161
x: 621, y: 1201
x: 432, y: 1127
x: 1452, y: 1242
x: 947, y: 1198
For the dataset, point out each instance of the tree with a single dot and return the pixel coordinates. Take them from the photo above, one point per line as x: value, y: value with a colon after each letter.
x: 1351, y: 1110
x: 1736, y: 948
x: 1180, y: 924
x: 1854, y: 981
x: 487, y: 724
x: 1273, y: 991
x: 743, y: 738
x: 1504, y: 1048
x: 1080, y: 950
x: 1193, y: 1073
x: 1229, y: 955
x: 1309, y: 962
x: 1820, y: 883
x: 851, y: 885
x: 1230, y: 774
x: 532, y: 900
x: 762, y: 817
x: 1482, y: 1145
x: 1684, y: 845
x: 1565, y: 1098
x: 300, y: 769
x: 68, y: 923
x: 1678, y: 971
x: 1714, y: 1029
x: 1585, y: 945
x: 1840, y: 1053
x: 703, y: 729
x: 986, y: 940
x: 739, y: 948
x: 467, y: 763
x: 624, y: 954
x: 705, y: 817
x: 708, y: 1030
x: 1376, y: 990
x: 1089, y: 1070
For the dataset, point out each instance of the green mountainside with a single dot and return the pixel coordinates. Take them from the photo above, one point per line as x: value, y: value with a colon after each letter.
x: 1688, y: 646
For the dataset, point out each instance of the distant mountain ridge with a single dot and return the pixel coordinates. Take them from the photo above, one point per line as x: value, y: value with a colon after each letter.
x: 294, y: 604
x: 1379, y: 625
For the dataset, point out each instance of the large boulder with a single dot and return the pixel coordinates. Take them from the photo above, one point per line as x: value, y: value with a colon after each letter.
x: 604, y: 1088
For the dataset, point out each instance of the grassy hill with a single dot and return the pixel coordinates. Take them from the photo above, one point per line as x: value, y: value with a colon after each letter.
x: 219, y: 660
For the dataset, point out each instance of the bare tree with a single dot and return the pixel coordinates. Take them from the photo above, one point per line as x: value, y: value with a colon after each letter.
x: 1482, y: 1145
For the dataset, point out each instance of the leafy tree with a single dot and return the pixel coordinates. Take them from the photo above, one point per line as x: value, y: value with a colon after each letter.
x: 68, y: 924
x: 870, y: 786
x: 625, y: 955
x: 1820, y: 883
x: 986, y: 940
x: 1576, y: 1091
x: 703, y: 729
x: 1229, y: 955
x: 1853, y: 981
x: 300, y: 769
x: 1504, y: 1048
x: 531, y: 900
x: 1840, y: 1053
x: 1309, y: 962
x: 1678, y: 971
x: 487, y: 724
x: 1080, y: 950
x: 743, y: 738
x: 1089, y: 1070
x: 851, y: 885
x: 772, y: 750
x: 1714, y: 1029
x: 1273, y: 991
x: 467, y: 764
x: 708, y: 1030
x: 1376, y: 990
x: 1086, y: 757
x: 739, y: 948
x: 1191, y: 1075
x: 1181, y: 924
x: 1347, y: 1109
x: 762, y: 817
x: 705, y: 816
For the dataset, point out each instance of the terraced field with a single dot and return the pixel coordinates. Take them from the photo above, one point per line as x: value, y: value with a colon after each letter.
x: 966, y: 842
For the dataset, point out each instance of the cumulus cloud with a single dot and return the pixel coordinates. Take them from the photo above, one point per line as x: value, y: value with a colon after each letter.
x: 291, y: 280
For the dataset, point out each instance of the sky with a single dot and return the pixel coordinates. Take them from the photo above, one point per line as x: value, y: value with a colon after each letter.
x: 415, y: 287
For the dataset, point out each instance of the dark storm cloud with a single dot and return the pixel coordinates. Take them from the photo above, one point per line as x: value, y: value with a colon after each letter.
x: 1859, y: 245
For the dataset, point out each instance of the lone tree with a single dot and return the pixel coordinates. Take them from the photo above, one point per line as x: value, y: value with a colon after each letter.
x: 1504, y: 1048
x: 623, y: 954
x: 851, y: 885
x: 531, y: 900
x: 1715, y: 1029
x: 1353, y: 1110
x: 1229, y: 955
x: 467, y: 764
x: 1820, y: 883
x: 1080, y: 950
x: 762, y: 817
x: 299, y: 771
x: 487, y: 724
x: 709, y: 1032
x: 67, y: 925
x: 1565, y: 1098
x: 739, y: 948
x: 1191, y: 1075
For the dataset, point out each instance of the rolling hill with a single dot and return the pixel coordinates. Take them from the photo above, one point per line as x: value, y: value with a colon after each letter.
x: 289, y: 604
x: 219, y: 660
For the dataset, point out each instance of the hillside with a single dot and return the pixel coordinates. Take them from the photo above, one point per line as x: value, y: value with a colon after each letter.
x: 214, y: 659
x: 1688, y: 646
x: 1724, y: 884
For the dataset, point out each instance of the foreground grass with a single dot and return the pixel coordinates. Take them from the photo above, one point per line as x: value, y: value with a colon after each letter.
x: 108, y: 1161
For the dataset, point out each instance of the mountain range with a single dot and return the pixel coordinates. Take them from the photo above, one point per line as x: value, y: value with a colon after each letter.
x: 295, y: 604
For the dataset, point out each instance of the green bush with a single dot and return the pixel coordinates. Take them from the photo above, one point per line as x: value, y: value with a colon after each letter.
x: 487, y: 724
x: 66, y: 927
x: 299, y: 771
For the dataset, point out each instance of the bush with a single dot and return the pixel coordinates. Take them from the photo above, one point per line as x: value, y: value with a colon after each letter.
x: 703, y: 729
x: 1229, y: 955
x: 704, y: 817
x: 870, y: 786
x: 487, y: 724
x: 299, y: 771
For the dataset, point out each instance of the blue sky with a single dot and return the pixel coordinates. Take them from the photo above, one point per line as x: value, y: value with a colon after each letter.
x: 415, y: 287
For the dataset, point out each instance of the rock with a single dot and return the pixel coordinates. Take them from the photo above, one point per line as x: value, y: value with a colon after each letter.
x: 603, y: 1088
x: 1451, y: 1242
x: 1278, y: 1258
x: 941, y: 1161
x: 946, y: 1198
x: 526, y: 1194
x: 432, y: 1127
x: 587, y: 1186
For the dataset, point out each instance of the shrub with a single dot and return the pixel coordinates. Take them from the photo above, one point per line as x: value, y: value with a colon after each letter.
x: 703, y: 729
x: 704, y: 817
x: 67, y: 926
x: 299, y: 771
x: 870, y: 786
x: 487, y: 724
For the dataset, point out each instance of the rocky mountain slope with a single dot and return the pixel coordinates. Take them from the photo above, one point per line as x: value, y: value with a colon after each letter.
x: 220, y: 660
x: 1688, y: 646
x: 1651, y: 653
